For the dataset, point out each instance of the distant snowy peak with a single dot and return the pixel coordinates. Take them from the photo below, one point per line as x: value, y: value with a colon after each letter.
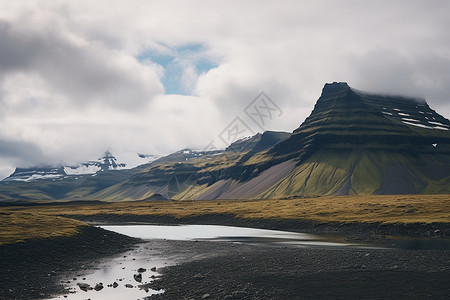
x: 105, y: 163
x: 29, y: 174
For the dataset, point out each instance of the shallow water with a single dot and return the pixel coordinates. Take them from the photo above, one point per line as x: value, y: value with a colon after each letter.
x: 222, y: 233
x: 120, y: 269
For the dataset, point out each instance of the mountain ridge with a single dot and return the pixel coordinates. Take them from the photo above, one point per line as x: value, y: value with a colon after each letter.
x: 107, y: 162
x: 353, y: 142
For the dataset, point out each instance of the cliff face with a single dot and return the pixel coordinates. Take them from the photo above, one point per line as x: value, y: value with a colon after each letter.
x: 344, y: 119
x: 359, y: 143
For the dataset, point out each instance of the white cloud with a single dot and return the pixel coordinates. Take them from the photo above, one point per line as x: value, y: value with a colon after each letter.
x: 72, y: 83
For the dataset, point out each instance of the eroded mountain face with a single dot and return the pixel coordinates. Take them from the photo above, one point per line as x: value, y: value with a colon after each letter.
x: 344, y: 119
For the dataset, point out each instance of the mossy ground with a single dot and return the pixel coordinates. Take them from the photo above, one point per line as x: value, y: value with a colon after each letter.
x: 37, y: 222
x: 18, y: 225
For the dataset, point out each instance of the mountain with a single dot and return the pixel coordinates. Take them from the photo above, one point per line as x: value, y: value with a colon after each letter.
x: 353, y: 142
x: 359, y: 143
x: 105, y: 163
x: 43, y: 172
x: 176, y: 177
x: 63, y: 182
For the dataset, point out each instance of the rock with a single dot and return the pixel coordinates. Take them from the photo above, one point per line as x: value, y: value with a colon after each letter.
x: 144, y: 287
x: 98, y: 286
x: 206, y: 296
x: 128, y: 285
x: 239, y: 294
x: 395, y: 267
x: 84, y: 286
x: 138, y: 277
x: 153, y: 269
x: 142, y: 270
x: 115, y: 284
x: 198, y: 276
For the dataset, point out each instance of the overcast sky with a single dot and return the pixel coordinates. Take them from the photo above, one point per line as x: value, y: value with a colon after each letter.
x: 81, y: 77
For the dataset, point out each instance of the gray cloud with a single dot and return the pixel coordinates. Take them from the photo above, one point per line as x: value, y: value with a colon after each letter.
x: 20, y: 154
x: 22, y: 151
x: 83, y: 71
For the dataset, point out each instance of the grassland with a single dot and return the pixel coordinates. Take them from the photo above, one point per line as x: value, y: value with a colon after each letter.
x: 35, y: 222
x: 18, y: 225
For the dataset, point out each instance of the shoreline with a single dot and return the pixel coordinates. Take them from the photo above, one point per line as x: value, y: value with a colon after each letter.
x: 30, y: 270
x: 353, y: 232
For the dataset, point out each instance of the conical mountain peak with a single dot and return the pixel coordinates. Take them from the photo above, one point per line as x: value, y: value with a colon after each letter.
x: 335, y: 88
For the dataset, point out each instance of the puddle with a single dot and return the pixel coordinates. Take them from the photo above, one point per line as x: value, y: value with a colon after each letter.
x: 264, y: 236
x: 223, y: 233
x: 122, y: 277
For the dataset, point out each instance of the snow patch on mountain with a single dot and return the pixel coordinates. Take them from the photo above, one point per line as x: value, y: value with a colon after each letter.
x: 82, y: 169
x: 105, y: 163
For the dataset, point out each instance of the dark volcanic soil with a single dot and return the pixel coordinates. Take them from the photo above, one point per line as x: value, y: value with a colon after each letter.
x: 30, y: 270
x: 269, y: 272
x: 218, y: 270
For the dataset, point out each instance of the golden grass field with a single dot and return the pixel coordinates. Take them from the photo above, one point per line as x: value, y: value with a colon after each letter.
x: 22, y: 223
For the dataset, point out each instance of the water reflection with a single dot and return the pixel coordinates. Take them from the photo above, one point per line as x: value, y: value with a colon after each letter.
x: 122, y: 277
x: 222, y: 233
